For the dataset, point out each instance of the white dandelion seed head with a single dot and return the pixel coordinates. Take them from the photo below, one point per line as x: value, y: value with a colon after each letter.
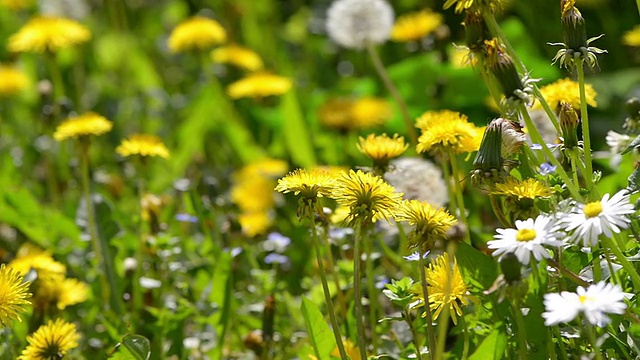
x: 595, y: 302
x: 418, y: 179
x: 74, y: 9
x: 355, y: 23
x: 528, y: 238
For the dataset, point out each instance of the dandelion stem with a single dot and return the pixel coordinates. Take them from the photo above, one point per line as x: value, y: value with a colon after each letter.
x: 522, y: 334
x: 446, y: 173
x: 462, y: 210
x: 373, y: 303
x: 414, y: 333
x: 384, y: 76
x: 586, y: 135
x: 628, y: 267
x: 465, y: 332
x: 431, y: 337
x: 356, y: 286
x: 563, y: 350
x: 325, y: 288
x: 535, y: 136
x: 591, y: 334
x: 498, y: 211
x: 342, y: 304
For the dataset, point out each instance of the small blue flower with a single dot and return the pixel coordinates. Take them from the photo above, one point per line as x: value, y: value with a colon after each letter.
x: 416, y: 256
x: 276, y: 242
x: 275, y: 258
x: 187, y: 218
x: 546, y: 169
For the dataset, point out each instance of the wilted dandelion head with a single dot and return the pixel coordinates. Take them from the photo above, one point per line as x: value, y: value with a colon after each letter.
x: 568, y: 91
x: 431, y: 224
x: 237, y: 55
x: 259, y: 85
x: 143, y: 145
x: 51, y: 341
x: 12, y: 81
x: 87, y: 124
x: 445, y: 131
x: 381, y: 148
x: 14, y: 295
x: 414, y: 26
x: 311, y: 184
x: 355, y: 24
x: 48, y: 34
x: 632, y: 37
x: 446, y: 287
x: 196, y: 33
x: 368, y: 196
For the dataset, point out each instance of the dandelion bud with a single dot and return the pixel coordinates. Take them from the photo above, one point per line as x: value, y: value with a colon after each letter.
x: 475, y: 31
x: 573, y: 26
x: 355, y: 24
x: 569, y: 124
x: 502, y: 67
x: 511, y: 268
x: 632, y: 122
x: 488, y: 161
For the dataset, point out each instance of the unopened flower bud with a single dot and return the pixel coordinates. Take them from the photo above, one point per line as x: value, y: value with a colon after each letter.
x: 489, y: 156
x: 502, y: 67
x: 511, y: 268
x: 475, y: 31
x: 573, y: 26
x: 569, y: 124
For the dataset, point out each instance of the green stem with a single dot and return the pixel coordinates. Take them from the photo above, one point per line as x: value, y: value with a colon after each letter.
x: 568, y: 273
x: 137, y: 274
x: 521, y: 333
x: 414, y: 333
x: 325, y: 288
x: 586, y: 134
x: 462, y: 210
x: 356, y: 286
x: 550, y: 347
x: 535, y: 136
x: 563, y: 350
x: 614, y: 274
x: 465, y: 332
x: 447, y: 177
x: 498, y: 212
x: 373, y: 303
x: 384, y: 76
x: 431, y: 337
x: 591, y: 334
x: 336, y: 277
x: 628, y: 267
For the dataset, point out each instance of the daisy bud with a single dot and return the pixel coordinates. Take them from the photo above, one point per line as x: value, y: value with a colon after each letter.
x: 502, y: 67
x: 511, y: 268
x: 573, y: 26
x: 569, y: 124
x: 475, y: 31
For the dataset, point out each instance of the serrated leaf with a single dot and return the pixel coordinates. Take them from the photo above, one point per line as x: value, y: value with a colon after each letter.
x: 320, y: 334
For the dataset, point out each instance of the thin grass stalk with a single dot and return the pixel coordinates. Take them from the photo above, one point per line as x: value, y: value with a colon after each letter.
x: 550, y: 346
x: 535, y: 136
x: 591, y: 335
x: 137, y: 274
x: 586, y: 134
x: 628, y: 267
x: 521, y: 332
x: 462, y: 210
x: 335, y: 276
x: 384, y: 76
x: 373, y: 303
x: 358, y: 296
x: 414, y: 333
x: 563, y: 350
x: 431, y: 337
x: 465, y: 335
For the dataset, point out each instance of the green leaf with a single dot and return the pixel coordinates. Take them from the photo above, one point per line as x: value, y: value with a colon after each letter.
x: 221, y: 288
x: 493, y: 346
x: 295, y: 131
x: 321, y: 336
x: 133, y: 347
x: 476, y: 265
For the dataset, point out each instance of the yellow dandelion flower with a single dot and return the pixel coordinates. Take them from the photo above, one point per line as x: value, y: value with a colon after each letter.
x: 265, y: 167
x: 143, y: 145
x: 16, y: 4
x: 416, y: 25
x: 258, y: 85
x: 350, y: 348
x: 51, y: 341
x: 239, y: 56
x: 382, y: 148
x: 31, y: 257
x: 370, y: 111
x: 83, y: 125
x: 446, y: 287
x: 53, y: 290
x: 632, y: 37
x: 431, y: 224
x: 12, y: 80
x: 527, y: 189
x: 253, y: 194
x: 448, y: 131
x: 48, y: 33
x: 340, y: 215
x: 336, y: 114
x: 14, y: 295
x: 255, y: 223
x: 196, y: 33
x: 566, y: 90
x: 479, y: 5
x: 311, y: 183
x: 368, y: 197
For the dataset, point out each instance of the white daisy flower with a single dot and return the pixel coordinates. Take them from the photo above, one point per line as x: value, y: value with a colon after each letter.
x: 606, y: 216
x: 529, y: 237
x: 617, y: 142
x: 595, y: 303
x: 356, y: 23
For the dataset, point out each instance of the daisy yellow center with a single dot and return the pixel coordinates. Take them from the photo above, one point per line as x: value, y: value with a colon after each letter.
x: 592, y: 209
x: 583, y: 298
x: 526, y: 235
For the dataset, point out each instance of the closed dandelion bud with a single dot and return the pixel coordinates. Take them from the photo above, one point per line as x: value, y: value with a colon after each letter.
x: 475, y: 31
x: 632, y: 122
x: 569, y: 124
x: 511, y: 268
x: 488, y: 162
x: 502, y: 67
x: 573, y: 26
